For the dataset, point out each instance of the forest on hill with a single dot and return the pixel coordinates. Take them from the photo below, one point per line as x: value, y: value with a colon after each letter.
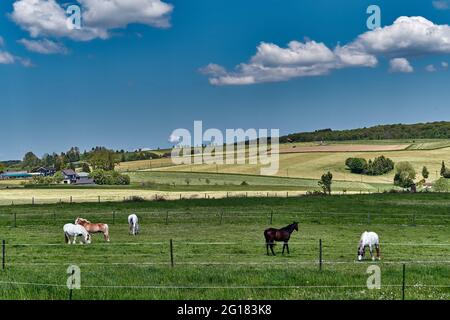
x: 431, y: 130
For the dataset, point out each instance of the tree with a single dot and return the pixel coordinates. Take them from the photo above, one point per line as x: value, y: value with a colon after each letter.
x: 2, y: 167
x: 405, y: 175
x: 441, y: 185
x: 356, y: 165
x: 58, y: 177
x: 425, y: 173
x: 85, y: 167
x: 325, y: 182
x: 104, y: 159
x: 30, y: 160
x: 443, y: 169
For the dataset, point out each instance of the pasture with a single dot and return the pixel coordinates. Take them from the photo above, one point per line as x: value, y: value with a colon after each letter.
x: 219, y: 251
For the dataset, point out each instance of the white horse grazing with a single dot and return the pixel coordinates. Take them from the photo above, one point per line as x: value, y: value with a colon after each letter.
x: 75, y: 230
x: 371, y: 240
x: 133, y: 222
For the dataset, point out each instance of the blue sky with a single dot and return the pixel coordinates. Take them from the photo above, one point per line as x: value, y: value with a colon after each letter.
x: 133, y: 87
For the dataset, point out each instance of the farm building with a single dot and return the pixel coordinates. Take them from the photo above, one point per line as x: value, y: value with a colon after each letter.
x: 81, y: 178
x: 15, y: 175
x: 46, y: 172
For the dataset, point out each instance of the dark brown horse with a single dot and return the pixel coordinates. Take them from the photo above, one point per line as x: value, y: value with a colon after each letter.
x: 283, y: 234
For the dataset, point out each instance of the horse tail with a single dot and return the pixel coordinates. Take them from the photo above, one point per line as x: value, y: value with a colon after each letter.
x: 106, y: 233
x: 66, y: 238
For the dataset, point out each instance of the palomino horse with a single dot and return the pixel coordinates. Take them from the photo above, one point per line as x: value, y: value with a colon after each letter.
x: 371, y: 240
x: 74, y: 230
x: 283, y: 234
x: 94, y: 227
x: 133, y: 223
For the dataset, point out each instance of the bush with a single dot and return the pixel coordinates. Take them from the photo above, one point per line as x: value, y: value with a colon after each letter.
x: 377, y: 167
x: 244, y: 183
x: 405, y: 175
x: 112, y: 177
x: 441, y: 185
x: 356, y: 165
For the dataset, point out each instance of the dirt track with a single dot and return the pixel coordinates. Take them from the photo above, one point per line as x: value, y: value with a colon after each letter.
x: 344, y: 148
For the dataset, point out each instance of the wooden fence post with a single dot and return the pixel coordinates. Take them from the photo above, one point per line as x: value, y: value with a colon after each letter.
x: 3, y: 254
x: 320, y: 254
x: 271, y: 216
x: 171, y: 253
x: 404, y: 282
x: 114, y: 217
x: 71, y: 287
x: 70, y: 199
x: 32, y: 200
x: 221, y: 216
x: 167, y: 217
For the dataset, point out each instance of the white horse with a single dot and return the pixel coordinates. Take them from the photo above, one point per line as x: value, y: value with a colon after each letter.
x: 371, y: 240
x: 75, y: 230
x: 133, y: 222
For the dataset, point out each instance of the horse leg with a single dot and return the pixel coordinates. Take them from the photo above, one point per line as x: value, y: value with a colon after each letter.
x: 74, y: 239
x: 371, y: 252
x: 271, y: 248
x: 287, y: 247
x: 284, y: 245
x: 377, y: 247
x: 267, y: 248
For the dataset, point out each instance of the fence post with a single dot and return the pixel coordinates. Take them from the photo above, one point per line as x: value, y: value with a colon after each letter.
x: 221, y: 216
x: 32, y: 200
x: 414, y: 219
x: 54, y: 216
x: 171, y: 253
x: 98, y: 199
x: 320, y: 254
x: 180, y: 196
x: 3, y: 253
x: 71, y: 287
x: 271, y: 216
x: 14, y: 225
x: 70, y: 199
x: 403, y: 285
x: 167, y: 217
x: 114, y: 217
x: 368, y: 218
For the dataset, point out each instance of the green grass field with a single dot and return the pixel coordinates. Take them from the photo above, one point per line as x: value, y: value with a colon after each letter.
x: 219, y: 249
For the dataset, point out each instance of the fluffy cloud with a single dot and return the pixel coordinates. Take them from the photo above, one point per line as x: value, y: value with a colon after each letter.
x: 406, y: 37
x: 444, y: 64
x: 441, y: 4
x: 6, y: 58
x: 430, y: 68
x: 46, y: 18
x: 400, y: 65
x: 44, y: 46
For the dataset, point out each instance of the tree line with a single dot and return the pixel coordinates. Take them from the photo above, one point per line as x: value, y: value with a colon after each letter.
x: 431, y: 130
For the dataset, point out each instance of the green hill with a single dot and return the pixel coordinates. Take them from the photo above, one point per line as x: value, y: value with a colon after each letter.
x: 431, y: 130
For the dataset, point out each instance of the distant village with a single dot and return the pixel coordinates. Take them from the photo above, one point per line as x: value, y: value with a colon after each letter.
x: 70, y: 176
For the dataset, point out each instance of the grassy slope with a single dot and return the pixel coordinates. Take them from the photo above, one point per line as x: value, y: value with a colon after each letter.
x: 242, y: 262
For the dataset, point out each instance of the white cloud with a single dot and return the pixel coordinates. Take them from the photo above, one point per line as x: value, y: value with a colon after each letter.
x: 430, y: 68
x: 400, y: 65
x: 407, y: 37
x: 2, y: 42
x: 444, y: 64
x: 43, y: 46
x: 441, y: 4
x: 174, y: 139
x: 46, y: 18
x: 6, y: 58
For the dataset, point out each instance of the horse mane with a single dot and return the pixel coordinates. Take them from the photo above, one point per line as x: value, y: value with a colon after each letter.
x: 83, y: 220
x: 288, y: 227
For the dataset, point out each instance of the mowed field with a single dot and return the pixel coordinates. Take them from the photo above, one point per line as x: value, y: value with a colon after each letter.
x: 219, y: 252
x: 311, y: 165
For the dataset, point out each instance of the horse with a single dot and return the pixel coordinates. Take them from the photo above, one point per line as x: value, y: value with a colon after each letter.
x: 133, y: 223
x: 94, y: 227
x: 74, y: 230
x: 282, y: 234
x: 371, y: 240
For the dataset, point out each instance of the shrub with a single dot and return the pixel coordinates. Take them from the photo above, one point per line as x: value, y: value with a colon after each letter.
x: 244, y: 183
x: 379, y: 166
x: 112, y: 177
x: 441, y: 185
x: 356, y: 165
x: 405, y: 175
